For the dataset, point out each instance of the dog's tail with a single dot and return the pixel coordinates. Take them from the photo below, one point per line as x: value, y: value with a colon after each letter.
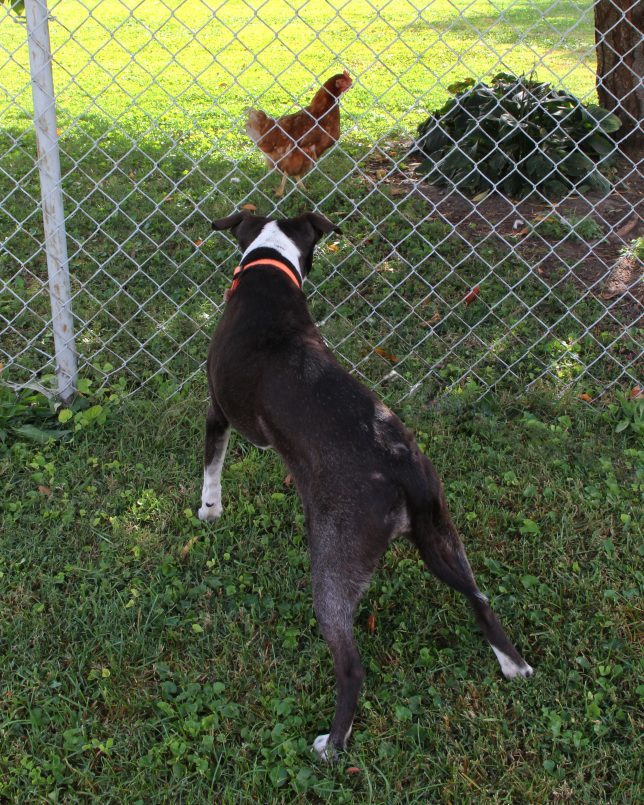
x: 434, y: 533
x: 440, y: 546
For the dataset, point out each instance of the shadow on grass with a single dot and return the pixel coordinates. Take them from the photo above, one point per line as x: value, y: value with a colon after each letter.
x: 390, y: 294
x: 538, y: 22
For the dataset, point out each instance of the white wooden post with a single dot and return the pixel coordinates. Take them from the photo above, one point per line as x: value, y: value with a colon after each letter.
x: 42, y: 87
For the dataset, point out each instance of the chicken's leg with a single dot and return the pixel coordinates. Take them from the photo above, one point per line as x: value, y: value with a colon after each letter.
x: 280, y: 190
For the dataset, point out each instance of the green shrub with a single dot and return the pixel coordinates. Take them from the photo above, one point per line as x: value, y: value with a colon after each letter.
x: 517, y: 135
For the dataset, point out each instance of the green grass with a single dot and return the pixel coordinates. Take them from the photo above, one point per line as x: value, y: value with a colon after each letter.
x: 558, y: 228
x: 147, y: 657
x: 203, y: 67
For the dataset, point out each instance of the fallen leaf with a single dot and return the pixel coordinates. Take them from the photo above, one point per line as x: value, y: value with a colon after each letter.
x: 585, y: 397
x: 386, y: 355
x: 636, y: 391
x: 187, y: 547
x: 249, y: 207
x: 381, y: 173
x: 481, y: 196
x: 397, y: 191
x: 59, y: 132
x: 436, y: 317
x: 45, y: 490
x: 523, y: 231
x: 472, y: 295
x: 334, y: 247
x: 168, y: 198
x: 288, y: 480
x: 371, y: 623
x: 353, y: 770
x: 198, y: 242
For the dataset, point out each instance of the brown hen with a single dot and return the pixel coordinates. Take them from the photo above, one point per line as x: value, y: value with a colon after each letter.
x: 293, y: 143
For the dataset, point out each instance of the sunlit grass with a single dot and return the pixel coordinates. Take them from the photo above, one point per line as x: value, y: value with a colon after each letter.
x: 182, y: 66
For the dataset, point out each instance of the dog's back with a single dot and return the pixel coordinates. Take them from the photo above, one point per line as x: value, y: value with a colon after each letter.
x: 268, y: 353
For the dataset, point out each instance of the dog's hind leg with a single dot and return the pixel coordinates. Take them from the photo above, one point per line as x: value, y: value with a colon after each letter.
x: 217, y: 434
x: 335, y: 610
x: 338, y: 584
x: 442, y: 551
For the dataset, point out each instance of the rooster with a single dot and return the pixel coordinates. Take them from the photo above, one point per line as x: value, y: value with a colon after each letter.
x: 293, y: 143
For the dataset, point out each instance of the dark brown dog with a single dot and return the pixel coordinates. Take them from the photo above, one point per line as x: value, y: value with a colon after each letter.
x: 358, y: 470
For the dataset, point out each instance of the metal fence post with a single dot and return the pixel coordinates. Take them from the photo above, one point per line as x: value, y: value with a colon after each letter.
x: 42, y: 86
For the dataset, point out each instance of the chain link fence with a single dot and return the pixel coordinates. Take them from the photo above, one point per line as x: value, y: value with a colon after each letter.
x: 426, y: 289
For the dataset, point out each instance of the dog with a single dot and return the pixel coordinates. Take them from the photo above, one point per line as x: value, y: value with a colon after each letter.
x: 359, y: 472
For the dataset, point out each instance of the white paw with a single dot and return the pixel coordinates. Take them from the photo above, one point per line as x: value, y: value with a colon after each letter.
x: 210, y: 512
x: 323, y: 749
x: 524, y: 670
x: 509, y: 668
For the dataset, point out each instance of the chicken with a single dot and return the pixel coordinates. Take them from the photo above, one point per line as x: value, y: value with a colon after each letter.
x: 293, y: 143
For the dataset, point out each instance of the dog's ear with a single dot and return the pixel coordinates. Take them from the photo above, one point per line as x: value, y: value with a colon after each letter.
x: 230, y: 222
x: 321, y: 224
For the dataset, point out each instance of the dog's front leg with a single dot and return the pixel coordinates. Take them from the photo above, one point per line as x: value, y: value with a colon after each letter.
x: 217, y: 434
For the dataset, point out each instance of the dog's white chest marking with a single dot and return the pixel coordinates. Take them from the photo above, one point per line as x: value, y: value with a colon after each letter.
x: 272, y: 237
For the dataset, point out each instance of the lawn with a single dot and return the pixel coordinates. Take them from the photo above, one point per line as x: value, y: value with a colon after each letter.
x: 147, y: 657
x: 150, y: 106
x: 166, y: 68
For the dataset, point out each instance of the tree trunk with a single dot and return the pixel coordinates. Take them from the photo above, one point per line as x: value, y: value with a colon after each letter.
x: 620, y: 66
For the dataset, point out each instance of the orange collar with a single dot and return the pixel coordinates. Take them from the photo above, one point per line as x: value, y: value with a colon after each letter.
x: 283, y: 267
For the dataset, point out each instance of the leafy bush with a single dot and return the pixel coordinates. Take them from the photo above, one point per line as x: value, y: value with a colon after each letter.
x: 517, y: 135
x: 30, y: 413
x: 26, y: 414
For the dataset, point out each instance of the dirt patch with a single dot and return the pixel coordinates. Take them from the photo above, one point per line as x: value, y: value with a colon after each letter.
x: 596, y: 264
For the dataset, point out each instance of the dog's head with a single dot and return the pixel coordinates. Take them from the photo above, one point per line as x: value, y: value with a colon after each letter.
x: 294, y: 238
